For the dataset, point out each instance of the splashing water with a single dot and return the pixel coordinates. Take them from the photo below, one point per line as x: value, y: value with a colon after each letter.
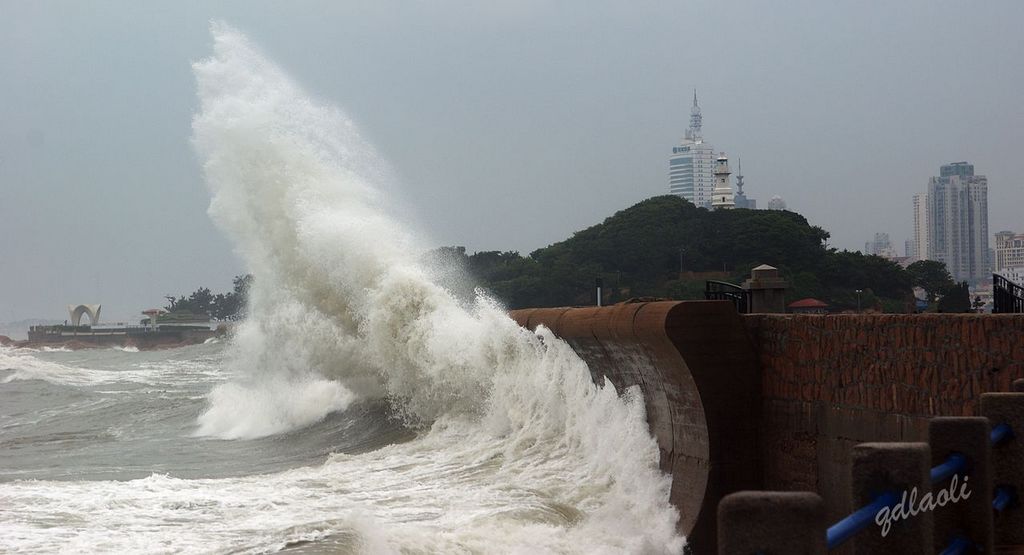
x: 341, y: 311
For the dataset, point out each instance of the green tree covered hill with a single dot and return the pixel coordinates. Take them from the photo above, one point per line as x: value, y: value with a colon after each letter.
x: 638, y: 252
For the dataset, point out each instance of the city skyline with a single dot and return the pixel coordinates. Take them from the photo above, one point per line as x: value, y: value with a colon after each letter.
x: 951, y: 225
x: 504, y: 126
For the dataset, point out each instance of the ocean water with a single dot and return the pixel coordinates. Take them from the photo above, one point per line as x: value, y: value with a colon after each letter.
x: 361, y: 408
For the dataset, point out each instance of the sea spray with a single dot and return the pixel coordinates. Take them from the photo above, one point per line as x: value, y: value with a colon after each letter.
x: 341, y: 310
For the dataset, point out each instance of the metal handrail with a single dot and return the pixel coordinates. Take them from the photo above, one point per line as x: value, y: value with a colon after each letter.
x: 958, y: 546
x: 1000, y: 433
x: 1002, y: 498
x: 955, y: 463
x: 724, y: 291
x: 1007, y: 296
x: 849, y: 526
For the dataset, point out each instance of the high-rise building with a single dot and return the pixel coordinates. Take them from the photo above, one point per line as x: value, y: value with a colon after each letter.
x: 881, y: 246
x: 921, y: 239
x: 1009, y: 251
x: 740, y: 198
x: 722, y: 195
x: 776, y: 203
x: 692, y: 164
x: 1008, y: 256
x: 958, y: 222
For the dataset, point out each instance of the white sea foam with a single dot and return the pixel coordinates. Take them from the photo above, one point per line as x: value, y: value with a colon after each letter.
x: 25, y: 365
x: 29, y: 364
x: 520, y: 450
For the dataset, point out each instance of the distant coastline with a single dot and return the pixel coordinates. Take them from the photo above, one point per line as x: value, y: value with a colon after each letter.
x: 142, y: 339
x: 18, y: 330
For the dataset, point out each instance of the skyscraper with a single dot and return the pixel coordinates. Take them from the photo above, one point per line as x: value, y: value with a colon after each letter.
x: 692, y: 164
x: 921, y: 229
x: 958, y: 221
x: 881, y: 246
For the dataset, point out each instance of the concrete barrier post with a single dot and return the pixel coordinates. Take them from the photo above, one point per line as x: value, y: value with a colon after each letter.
x: 772, y: 522
x: 1008, y: 461
x: 971, y: 517
x: 900, y: 468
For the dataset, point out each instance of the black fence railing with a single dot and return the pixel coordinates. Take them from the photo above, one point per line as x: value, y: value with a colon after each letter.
x: 722, y: 291
x: 1007, y: 296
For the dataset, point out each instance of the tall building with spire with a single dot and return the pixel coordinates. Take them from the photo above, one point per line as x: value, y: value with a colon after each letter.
x: 691, y: 166
x: 740, y: 198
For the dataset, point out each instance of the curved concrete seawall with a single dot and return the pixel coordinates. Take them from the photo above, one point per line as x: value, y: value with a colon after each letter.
x: 778, y: 401
x: 698, y: 373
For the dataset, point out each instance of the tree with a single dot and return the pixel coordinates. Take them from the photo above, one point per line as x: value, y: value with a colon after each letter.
x: 637, y: 253
x: 978, y: 304
x: 222, y: 306
x: 932, y: 276
x: 956, y: 299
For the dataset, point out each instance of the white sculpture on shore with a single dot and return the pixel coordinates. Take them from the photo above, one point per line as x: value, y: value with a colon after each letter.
x: 76, y: 312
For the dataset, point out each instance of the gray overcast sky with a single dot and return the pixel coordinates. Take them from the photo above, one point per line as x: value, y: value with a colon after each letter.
x: 509, y: 124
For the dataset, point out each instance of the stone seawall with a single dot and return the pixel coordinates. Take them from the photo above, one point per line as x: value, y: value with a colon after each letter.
x: 777, y: 402
x: 830, y: 382
x: 697, y: 370
x: 143, y: 341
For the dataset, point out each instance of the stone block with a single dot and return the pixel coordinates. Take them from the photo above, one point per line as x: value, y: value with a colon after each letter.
x: 772, y: 522
x: 892, y: 467
x: 971, y: 517
x: 1007, y: 460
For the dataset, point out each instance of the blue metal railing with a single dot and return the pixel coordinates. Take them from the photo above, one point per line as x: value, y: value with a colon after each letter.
x: 958, y: 546
x: 1002, y: 498
x: 849, y: 526
x: 999, y: 434
x: 955, y: 463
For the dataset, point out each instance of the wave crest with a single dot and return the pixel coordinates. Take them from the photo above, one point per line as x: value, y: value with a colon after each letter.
x: 341, y: 309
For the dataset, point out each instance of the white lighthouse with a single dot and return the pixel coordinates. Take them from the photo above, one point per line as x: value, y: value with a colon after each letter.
x: 721, y: 198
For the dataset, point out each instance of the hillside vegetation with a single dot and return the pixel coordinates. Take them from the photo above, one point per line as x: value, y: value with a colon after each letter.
x: 637, y: 253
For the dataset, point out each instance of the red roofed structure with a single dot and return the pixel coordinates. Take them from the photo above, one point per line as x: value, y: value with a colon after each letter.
x: 808, y: 306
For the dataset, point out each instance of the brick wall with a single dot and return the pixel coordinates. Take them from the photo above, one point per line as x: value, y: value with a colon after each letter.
x: 830, y: 382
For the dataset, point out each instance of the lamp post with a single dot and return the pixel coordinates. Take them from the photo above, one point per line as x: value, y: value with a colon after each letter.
x: 859, y: 291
